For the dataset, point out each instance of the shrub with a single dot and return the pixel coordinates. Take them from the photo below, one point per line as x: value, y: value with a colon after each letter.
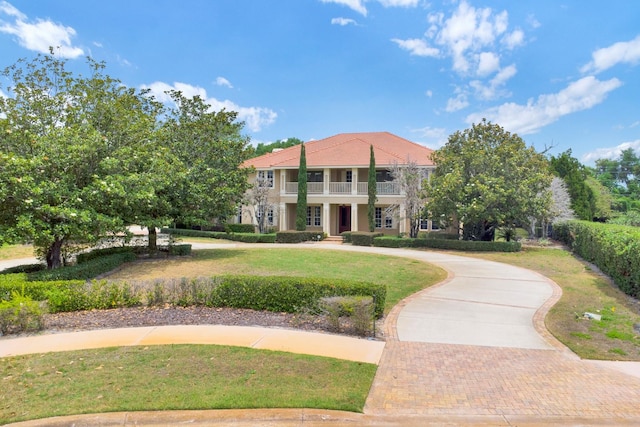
x: 180, y: 250
x: 240, y: 228
x: 86, y: 270
x: 292, y: 236
x: 94, y: 295
x: 97, y: 253
x: 364, y: 238
x: 460, y: 245
x: 20, y: 314
x: 615, y: 249
x: 346, y: 236
x: 358, y: 309
x: 18, y: 283
x: 238, y: 237
x: 25, y: 268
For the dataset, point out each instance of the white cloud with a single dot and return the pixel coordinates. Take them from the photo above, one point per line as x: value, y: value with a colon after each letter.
x: 255, y: 118
x: 417, y: 47
x: 399, y: 3
x: 621, y: 52
x: 221, y: 81
x: 493, y: 89
x: 611, y: 152
x: 488, y: 62
x: 357, y: 5
x: 40, y: 35
x: 530, y: 118
x: 436, y: 137
x: 429, y: 93
x: 456, y: 104
x: 513, y: 39
x: 343, y: 21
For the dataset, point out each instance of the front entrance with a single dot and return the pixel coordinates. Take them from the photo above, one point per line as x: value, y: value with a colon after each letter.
x: 344, y: 218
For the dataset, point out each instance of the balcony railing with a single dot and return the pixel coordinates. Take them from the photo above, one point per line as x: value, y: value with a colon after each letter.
x: 382, y: 188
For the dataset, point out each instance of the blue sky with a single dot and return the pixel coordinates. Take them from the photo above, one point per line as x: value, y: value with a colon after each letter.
x: 559, y: 73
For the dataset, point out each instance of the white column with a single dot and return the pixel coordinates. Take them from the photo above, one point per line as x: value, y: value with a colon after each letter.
x: 326, y: 220
x: 354, y: 217
x: 327, y: 177
x: 283, y: 181
x: 282, y: 217
x: 354, y: 181
x: 402, y: 225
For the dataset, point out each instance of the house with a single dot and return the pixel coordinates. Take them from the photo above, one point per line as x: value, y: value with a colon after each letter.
x: 337, y: 182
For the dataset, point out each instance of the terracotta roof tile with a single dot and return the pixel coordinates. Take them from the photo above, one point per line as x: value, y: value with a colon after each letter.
x: 347, y: 149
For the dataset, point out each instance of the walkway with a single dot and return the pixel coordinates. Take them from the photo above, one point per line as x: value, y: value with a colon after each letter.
x: 470, y: 351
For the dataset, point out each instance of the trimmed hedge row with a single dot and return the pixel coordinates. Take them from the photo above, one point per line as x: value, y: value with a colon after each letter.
x: 86, y: 270
x: 364, y: 238
x: 97, y: 253
x: 293, y: 236
x: 240, y: 228
x: 237, y: 237
x: 615, y: 249
x: 273, y: 293
x: 458, y: 245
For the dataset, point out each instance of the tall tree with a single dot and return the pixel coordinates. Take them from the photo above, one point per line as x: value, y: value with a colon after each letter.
x: 410, y: 178
x: 372, y: 190
x: 258, y: 197
x: 301, y: 206
x: 263, y: 148
x: 486, y: 178
x: 58, y: 145
x: 574, y: 175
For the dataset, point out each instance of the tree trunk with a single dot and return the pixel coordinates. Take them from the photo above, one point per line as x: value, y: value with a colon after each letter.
x: 54, y: 254
x: 153, y: 239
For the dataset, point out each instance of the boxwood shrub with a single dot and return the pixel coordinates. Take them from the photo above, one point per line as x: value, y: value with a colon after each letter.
x: 86, y: 270
x: 292, y: 236
x: 615, y: 249
x: 237, y: 237
x: 459, y: 245
x: 240, y: 228
x: 364, y: 238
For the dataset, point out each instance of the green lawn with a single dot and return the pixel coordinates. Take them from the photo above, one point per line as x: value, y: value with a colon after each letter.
x: 176, y: 377
x: 15, y: 251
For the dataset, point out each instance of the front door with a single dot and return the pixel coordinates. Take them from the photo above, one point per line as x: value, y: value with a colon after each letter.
x: 344, y: 221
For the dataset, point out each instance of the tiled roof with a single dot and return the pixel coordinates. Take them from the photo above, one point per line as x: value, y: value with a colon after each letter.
x: 347, y: 150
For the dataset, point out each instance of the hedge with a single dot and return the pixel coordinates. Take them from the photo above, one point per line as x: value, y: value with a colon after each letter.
x: 364, y: 238
x: 86, y: 270
x: 97, y: 253
x: 272, y: 293
x: 293, y: 236
x: 237, y: 237
x: 615, y: 249
x: 240, y: 228
x: 459, y: 245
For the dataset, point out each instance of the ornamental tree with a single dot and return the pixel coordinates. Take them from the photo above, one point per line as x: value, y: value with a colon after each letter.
x: 372, y: 192
x: 301, y: 205
x: 486, y: 178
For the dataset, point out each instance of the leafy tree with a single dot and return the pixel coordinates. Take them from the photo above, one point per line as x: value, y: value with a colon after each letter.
x: 301, y: 206
x: 574, y: 175
x: 486, y: 178
x: 372, y: 192
x: 258, y: 197
x: 263, y: 148
x: 622, y: 177
x: 57, y: 146
x: 410, y: 179
x: 603, y: 201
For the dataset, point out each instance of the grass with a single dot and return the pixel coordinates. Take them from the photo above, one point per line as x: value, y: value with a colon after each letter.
x: 583, y: 290
x: 15, y: 252
x: 402, y: 276
x: 155, y: 378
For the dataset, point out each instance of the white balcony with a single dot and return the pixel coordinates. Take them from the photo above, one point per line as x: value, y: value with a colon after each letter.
x: 382, y: 188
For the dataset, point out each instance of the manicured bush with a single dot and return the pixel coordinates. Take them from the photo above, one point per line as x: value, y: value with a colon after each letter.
x: 25, y: 268
x: 86, y: 270
x: 359, y: 309
x: 615, y: 249
x: 20, y: 314
x: 180, y: 250
x: 240, y: 228
x: 346, y: 236
x: 364, y: 238
x: 292, y: 236
x: 237, y: 237
x: 438, y: 235
x: 18, y: 283
x: 97, y: 253
x: 459, y: 245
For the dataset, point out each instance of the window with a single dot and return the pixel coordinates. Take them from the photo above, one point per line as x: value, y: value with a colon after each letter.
x: 309, y: 215
x: 424, y: 224
x: 314, y: 176
x: 378, y: 217
x: 266, y: 176
x: 349, y: 177
x: 388, y: 221
x: 239, y: 215
x: 317, y: 218
x: 435, y: 225
x: 383, y: 176
x: 270, y: 217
